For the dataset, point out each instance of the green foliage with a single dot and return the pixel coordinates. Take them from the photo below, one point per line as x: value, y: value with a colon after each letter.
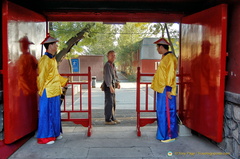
x: 65, y: 30
x: 124, y: 39
x: 102, y: 41
x: 128, y: 44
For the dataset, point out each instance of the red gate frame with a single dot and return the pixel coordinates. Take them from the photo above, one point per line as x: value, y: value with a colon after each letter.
x: 141, y: 122
x: 86, y: 122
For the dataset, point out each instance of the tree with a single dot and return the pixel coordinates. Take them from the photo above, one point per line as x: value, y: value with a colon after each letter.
x: 103, y: 40
x: 79, y: 38
x: 69, y: 35
x: 71, y: 42
x: 128, y: 44
x: 166, y: 31
x: 84, y: 38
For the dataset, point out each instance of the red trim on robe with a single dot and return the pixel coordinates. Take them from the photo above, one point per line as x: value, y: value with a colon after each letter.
x: 46, y: 140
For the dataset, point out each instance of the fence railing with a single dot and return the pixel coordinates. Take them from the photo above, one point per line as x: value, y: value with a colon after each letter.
x: 142, y: 121
x: 77, y: 106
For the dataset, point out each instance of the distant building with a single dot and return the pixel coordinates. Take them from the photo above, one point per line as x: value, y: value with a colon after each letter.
x: 147, y: 58
x: 94, y: 61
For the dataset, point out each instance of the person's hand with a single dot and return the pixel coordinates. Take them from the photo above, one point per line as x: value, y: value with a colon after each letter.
x: 169, y: 95
x: 118, y: 87
x: 112, y: 89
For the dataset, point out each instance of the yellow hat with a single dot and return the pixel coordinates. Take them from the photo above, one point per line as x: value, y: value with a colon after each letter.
x: 162, y: 41
x: 49, y: 39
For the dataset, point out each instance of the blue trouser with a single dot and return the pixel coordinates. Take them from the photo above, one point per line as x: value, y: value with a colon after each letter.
x: 49, y: 123
x: 166, y: 131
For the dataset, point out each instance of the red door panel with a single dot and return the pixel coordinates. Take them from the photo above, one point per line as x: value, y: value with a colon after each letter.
x: 20, y: 94
x: 202, y: 61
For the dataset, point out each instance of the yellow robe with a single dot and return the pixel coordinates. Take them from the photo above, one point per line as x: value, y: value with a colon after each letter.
x: 165, y: 74
x: 49, y: 78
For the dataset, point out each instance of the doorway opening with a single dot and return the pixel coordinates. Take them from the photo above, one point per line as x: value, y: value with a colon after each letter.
x: 133, y: 44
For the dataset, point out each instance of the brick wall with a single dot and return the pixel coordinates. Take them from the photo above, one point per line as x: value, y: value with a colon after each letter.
x: 95, y: 62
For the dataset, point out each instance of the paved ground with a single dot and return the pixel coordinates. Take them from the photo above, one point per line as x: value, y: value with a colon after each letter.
x: 119, y: 141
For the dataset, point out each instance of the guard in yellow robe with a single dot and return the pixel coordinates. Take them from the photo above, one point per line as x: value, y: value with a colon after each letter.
x: 164, y: 83
x: 49, y: 84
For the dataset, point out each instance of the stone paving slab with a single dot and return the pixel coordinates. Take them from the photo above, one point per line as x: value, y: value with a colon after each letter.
x: 119, y: 142
x: 123, y: 152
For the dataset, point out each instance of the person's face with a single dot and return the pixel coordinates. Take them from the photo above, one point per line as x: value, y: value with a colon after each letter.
x: 111, y: 56
x: 53, y: 47
x: 159, y: 49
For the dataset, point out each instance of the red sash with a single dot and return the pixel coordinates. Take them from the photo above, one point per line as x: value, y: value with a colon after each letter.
x: 168, y: 116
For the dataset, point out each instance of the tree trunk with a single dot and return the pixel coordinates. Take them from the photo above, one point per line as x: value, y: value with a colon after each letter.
x: 71, y: 42
x: 169, y: 39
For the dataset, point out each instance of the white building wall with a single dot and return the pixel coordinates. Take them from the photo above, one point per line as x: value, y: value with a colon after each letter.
x: 148, y: 50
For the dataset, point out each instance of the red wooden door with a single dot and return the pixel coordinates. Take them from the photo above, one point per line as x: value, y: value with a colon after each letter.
x: 19, y: 71
x: 202, y: 62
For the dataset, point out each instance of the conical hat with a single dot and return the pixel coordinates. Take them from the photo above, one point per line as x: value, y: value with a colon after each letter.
x: 49, y: 39
x: 162, y: 41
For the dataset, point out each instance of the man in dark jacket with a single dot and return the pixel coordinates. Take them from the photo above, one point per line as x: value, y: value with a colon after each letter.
x: 110, y: 83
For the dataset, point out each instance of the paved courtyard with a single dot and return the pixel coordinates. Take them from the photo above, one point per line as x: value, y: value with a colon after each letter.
x: 119, y: 141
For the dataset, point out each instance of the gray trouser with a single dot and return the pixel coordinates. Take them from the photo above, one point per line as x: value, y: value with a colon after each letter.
x: 110, y: 105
